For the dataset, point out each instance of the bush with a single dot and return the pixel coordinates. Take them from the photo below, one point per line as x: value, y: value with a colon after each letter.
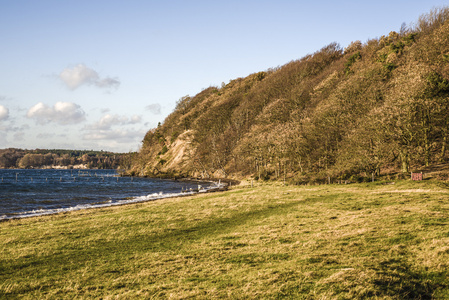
x: 164, y: 150
x: 174, y: 136
x: 390, y: 66
x: 401, y: 176
x: 351, y: 60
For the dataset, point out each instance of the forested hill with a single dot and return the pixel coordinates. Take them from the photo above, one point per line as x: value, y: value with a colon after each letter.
x: 374, y: 107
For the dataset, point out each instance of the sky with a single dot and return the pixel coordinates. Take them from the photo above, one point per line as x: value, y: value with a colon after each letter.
x: 97, y: 74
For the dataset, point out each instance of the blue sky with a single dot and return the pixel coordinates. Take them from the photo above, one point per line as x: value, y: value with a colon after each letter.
x: 99, y: 74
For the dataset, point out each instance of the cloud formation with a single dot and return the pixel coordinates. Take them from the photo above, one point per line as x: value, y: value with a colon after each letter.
x: 117, y: 135
x: 82, y: 75
x: 19, y: 136
x: 103, y: 129
x: 62, y: 113
x: 4, y: 113
x: 45, y: 135
x: 108, y: 120
x: 154, y: 108
x: 3, y: 141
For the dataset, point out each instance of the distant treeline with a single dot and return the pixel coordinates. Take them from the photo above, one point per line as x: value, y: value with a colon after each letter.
x: 45, y: 158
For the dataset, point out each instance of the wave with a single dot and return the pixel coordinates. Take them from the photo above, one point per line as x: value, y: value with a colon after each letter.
x: 150, y: 197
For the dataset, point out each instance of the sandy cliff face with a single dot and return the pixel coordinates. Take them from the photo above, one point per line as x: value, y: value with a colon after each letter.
x: 180, y: 154
x: 176, y: 161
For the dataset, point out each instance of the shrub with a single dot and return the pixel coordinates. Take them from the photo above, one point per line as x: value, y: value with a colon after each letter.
x: 351, y: 60
x: 390, y: 66
x: 164, y: 150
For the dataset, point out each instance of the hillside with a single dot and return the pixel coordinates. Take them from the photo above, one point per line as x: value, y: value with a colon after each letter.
x: 376, y: 107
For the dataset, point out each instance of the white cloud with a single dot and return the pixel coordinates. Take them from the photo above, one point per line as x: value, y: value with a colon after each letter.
x: 108, y: 120
x: 12, y: 128
x: 154, y: 108
x: 45, y: 135
x: 103, y: 130
x: 119, y: 135
x: 4, y: 113
x: 3, y: 141
x: 19, y: 136
x: 107, y: 82
x: 82, y: 75
x: 135, y: 119
x: 63, y: 113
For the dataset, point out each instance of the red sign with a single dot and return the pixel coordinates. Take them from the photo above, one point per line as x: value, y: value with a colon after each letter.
x: 416, y: 176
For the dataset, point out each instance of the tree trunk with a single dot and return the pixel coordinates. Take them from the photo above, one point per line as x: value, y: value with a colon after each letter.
x: 405, y: 162
x: 300, y: 165
x: 443, y: 148
x: 426, y: 147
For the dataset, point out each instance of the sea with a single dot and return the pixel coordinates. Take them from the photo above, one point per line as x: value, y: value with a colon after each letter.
x: 32, y: 192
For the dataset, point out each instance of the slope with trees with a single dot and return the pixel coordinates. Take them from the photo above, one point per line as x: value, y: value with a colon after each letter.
x: 374, y: 107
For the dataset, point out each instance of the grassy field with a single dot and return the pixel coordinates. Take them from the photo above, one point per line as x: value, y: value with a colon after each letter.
x: 356, y: 241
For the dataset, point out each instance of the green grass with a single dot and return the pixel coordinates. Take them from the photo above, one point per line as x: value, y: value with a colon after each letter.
x: 359, y: 241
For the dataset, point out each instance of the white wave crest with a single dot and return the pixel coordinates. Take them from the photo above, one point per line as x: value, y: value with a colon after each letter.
x: 150, y: 197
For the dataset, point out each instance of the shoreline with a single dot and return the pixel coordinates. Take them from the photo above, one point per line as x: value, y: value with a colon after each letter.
x: 228, y: 181
x: 104, y: 204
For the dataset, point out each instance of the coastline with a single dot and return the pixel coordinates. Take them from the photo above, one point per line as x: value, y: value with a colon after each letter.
x: 214, y: 186
x: 33, y: 192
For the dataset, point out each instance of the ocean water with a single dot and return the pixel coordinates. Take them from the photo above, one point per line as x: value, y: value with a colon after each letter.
x: 26, y: 193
